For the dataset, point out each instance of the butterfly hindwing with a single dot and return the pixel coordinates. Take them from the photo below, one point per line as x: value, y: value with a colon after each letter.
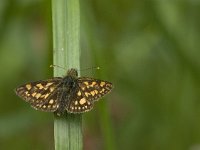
x: 78, y: 103
x: 42, y: 95
x: 48, y: 105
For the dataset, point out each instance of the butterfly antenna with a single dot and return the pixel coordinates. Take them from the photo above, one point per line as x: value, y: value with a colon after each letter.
x: 52, y: 66
x: 90, y: 68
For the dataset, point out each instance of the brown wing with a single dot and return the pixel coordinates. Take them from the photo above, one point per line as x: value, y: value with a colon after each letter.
x: 88, y: 91
x: 42, y: 95
x: 93, y: 89
x: 78, y: 103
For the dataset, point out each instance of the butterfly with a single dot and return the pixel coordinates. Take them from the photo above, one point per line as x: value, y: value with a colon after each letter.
x: 69, y: 93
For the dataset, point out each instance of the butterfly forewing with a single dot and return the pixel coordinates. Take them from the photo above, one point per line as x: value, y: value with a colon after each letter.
x: 42, y: 95
x: 94, y: 89
x: 88, y: 90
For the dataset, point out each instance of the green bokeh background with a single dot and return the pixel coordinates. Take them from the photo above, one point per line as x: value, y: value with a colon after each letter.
x: 150, y: 51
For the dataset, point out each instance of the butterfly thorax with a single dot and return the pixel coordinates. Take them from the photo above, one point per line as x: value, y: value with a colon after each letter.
x: 67, y: 89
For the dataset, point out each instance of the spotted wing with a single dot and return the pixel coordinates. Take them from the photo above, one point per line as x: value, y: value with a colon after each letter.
x: 93, y: 89
x: 42, y: 95
x: 78, y: 103
x: 88, y: 91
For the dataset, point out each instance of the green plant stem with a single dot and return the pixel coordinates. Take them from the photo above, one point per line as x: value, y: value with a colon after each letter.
x: 66, y: 37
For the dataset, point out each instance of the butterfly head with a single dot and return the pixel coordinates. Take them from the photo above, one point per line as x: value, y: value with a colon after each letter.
x: 72, y: 72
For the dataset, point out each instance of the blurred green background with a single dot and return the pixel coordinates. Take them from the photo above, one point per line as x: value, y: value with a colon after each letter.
x: 150, y: 51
